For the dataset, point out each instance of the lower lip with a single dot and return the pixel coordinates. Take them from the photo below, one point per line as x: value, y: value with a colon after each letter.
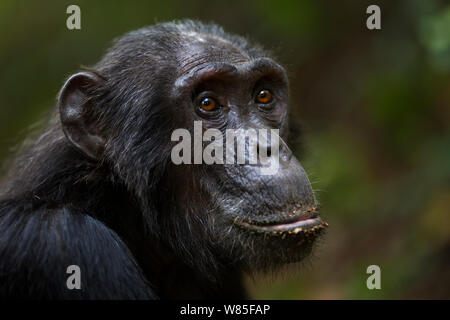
x: 292, y: 227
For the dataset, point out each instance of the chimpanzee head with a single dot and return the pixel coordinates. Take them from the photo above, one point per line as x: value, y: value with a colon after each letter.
x: 123, y: 112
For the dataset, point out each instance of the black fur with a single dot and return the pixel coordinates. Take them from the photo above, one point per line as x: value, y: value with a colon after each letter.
x: 138, y: 226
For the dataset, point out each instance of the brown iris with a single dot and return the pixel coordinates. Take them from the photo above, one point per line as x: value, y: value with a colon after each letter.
x: 208, y: 104
x: 264, y: 96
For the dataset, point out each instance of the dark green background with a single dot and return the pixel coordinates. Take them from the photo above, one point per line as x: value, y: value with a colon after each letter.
x: 374, y: 105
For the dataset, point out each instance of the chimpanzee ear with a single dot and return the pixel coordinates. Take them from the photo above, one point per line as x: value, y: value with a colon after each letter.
x: 77, y: 112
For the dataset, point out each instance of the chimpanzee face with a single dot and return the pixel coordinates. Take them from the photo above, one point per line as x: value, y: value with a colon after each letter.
x: 264, y: 217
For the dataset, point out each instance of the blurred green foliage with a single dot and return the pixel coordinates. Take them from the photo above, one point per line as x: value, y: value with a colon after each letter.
x: 374, y: 107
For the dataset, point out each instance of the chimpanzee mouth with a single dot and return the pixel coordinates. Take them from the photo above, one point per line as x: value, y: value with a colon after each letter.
x: 299, y: 221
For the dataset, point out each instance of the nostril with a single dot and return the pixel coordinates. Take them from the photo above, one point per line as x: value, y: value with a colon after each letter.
x: 285, y: 153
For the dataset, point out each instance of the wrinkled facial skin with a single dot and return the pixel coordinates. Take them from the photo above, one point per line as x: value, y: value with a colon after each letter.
x: 256, y: 220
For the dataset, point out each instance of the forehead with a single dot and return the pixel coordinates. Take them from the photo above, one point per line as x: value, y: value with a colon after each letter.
x: 198, y: 48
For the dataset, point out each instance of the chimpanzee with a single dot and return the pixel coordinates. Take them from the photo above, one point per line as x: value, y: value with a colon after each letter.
x: 98, y: 189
